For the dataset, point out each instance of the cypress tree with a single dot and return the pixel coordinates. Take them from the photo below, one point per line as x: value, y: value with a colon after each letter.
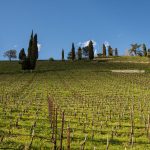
x: 104, y: 50
x: 33, y: 51
x: 35, y: 43
x: 110, y: 52
x: 144, y: 50
x: 23, y: 59
x: 91, y: 50
x: 30, y: 45
x: 73, y: 52
x: 69, y: 57
x: 116, y: 52
x: 85, y: 52
x: 62, y: 54
x: 29, y: 62
x: 79, y: 53
x: 22, y: 54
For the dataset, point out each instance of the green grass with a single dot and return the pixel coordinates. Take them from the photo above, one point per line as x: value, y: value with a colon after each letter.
x: 94, y: 100
x: 134, y: 59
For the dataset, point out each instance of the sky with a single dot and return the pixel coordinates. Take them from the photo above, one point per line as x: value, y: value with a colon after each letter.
x: 58, y: 23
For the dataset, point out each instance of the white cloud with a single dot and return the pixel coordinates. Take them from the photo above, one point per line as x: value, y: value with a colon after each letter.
x: 86, y: 43
x: 39, y: 46
x: 106, y: 43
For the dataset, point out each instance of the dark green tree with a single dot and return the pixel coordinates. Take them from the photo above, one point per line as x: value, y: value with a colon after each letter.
x: 29, y: 61
x: 73, y: 52
x: 110, y: 51
x: 85, y: 52
x: 33, y: 51
x: 91, y: 50
x: 144, y: 50
x: 62, y: 55
x: 22, y: 54
x: 35, y: 47
x: 104, y: 50
x: 116, y: 52
x: 30, y: 46
x: 69, y: 57
x: 79, y: 53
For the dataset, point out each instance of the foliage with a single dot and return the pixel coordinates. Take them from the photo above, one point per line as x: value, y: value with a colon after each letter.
x: 22, y: 54
x: 116, y: 52
x: 79, y: 53
x: 100, y: 54
x: 11, y: 54
x: 134, y: 50
x: 104, y: 50
x: 69, y: 57
x: 85, y: 52
x: 29, y: 62
x: 51, y: 59
x: 88, y: 93
x: 73, y: 52
x: 110, y: 51
x: 62, y: 54
x: 91, y: 50
x: 144, y: 50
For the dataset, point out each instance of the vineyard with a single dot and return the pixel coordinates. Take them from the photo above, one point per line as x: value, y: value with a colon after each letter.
x: 74, y: 106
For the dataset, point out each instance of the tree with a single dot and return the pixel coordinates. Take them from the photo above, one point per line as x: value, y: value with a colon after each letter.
x: 29, y: 62
x: 110, y: 51
x: 30, y: 45
x: 116, y: 52
x: 79, y: 53
x: 33, y: 51
x: 22, y: 54
x: 134, y: 49
x: 85, y: 51
x: 69, y: 57
x: 144, y: 50
x: 91, y: 50
x: 104, y: 50
x: 73, y: 52
x: 11, y: 54
x: 62, y: 54
x: 35, y: 47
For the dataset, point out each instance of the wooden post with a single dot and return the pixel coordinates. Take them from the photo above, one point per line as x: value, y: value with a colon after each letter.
x: 62, y: 128
x: 68, y: 138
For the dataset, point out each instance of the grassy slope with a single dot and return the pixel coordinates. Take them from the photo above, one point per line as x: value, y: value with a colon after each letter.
x: 135, y: 59
x: 15, y: 67
x: 86, y: 89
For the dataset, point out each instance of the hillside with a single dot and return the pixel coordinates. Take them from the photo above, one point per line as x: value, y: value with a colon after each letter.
x: 101, y: 109
x: 99, y: 64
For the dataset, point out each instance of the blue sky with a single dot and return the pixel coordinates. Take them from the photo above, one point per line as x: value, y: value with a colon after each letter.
x: 58, y: 23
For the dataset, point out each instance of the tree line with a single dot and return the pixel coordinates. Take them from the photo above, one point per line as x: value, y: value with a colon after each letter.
x: 139, y: 50
x: 87, y: 52
x: 107, y: 51
x: 28, y: 61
